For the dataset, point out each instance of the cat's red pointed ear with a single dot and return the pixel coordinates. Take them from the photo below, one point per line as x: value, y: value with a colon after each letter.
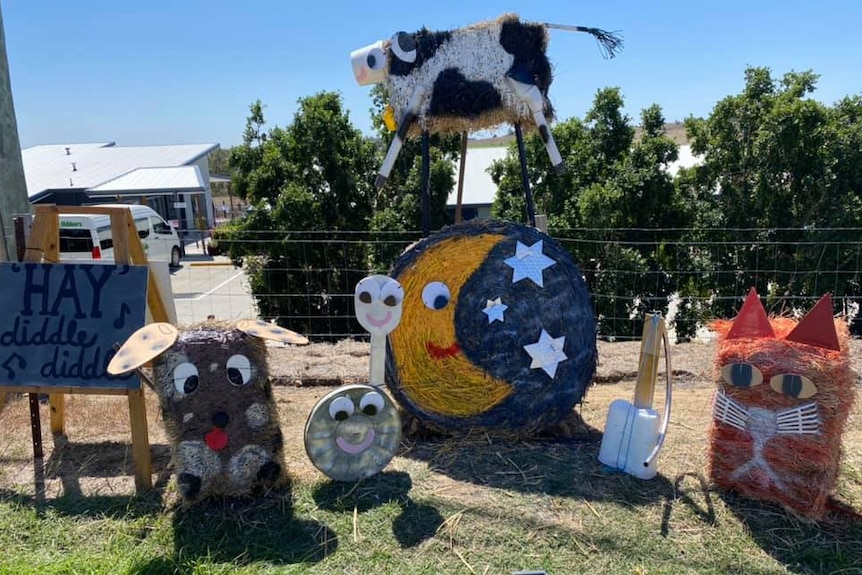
x: 751, y: 320
x: 817, y: 328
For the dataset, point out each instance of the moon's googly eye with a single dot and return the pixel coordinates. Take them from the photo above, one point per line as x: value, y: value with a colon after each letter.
x: 404, y: 47
x: 341, y: 408
x: 392, y: 293
x: 238, y: 370
x: 436, y: 295
x: 371, y: 403
x: 186, y: 378
x: 376, y: 59
x: 365, y: 297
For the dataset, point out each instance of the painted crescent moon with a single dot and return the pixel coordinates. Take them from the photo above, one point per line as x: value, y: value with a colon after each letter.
x: 427, y: 334
x: 497, y: 329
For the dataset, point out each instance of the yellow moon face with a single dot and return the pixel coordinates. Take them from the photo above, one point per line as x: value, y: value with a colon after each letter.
x: 433, y: 370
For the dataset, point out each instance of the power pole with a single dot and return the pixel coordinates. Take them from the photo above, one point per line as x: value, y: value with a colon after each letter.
x: 13, y: 188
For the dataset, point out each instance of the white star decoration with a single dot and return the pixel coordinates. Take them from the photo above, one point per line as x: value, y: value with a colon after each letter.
x: 494, y: 310
x: 547, y: 353
x: 529, y: 262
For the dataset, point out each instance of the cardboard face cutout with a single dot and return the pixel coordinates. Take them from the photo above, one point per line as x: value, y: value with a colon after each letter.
x: 352, y: 432
x: 216, y: 402
x: 378, y: 302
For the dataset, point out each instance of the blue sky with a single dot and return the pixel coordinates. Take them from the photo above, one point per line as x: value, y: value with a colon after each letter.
x: 185, y: 71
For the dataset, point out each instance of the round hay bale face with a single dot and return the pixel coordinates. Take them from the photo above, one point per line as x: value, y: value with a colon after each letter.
x: 219, y: 413
x: 497, y: 331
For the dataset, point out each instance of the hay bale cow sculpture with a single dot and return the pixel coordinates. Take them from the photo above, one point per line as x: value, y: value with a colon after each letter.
x: 467, y: 79
x: 216, y: 402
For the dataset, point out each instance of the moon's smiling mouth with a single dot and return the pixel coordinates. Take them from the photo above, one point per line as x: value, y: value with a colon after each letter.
x: 437, y: 352
x: 378, y: 322
x: 354, y: 448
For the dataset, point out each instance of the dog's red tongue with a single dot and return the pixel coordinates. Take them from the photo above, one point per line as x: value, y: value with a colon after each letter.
x: 216, y: 439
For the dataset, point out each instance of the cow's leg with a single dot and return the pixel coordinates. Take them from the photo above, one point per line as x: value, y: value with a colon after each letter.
x: 531, y: 95
x: 426, y: 183
x: 404, y: 123
x: 525, y: 178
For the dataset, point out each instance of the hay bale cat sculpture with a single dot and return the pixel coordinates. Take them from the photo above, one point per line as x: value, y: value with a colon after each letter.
x: 216, y: 402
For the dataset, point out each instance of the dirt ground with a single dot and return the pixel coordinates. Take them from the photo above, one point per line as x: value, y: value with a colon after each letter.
x: 94, y: 456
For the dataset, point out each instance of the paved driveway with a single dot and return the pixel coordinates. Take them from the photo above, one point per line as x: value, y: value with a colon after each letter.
x: 205, y: 286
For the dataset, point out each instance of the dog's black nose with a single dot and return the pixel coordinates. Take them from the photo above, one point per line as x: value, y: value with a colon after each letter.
x: 221, y: 419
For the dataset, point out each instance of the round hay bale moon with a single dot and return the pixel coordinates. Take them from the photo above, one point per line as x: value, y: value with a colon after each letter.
x: 497, y: 332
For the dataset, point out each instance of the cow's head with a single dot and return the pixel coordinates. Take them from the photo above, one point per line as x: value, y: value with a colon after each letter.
x: 371, y: 63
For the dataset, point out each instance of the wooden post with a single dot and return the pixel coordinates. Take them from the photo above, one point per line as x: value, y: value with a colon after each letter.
x: 461, y: 168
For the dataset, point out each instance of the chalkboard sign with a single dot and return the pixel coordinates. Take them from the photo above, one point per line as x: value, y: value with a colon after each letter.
x: 59, y: 322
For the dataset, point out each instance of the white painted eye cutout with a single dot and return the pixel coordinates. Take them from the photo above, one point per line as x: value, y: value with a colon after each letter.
x: 238, y: 370
x: 186, y: 378
x: 391, y: 294
x: 404, y: 47
x: 341, y: 408
x: 371, y: 403
x: 435, y: 295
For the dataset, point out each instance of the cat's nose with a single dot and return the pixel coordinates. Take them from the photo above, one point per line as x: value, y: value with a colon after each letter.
x: 221, y: 419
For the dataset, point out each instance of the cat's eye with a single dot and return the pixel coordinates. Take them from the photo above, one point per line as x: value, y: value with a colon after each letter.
x: 741, y: 375
x: 793, y: 385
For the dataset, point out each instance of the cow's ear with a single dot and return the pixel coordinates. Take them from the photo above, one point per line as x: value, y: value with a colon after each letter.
x: 266, y: 330
x: 147, y: 343
x: 404, y: 47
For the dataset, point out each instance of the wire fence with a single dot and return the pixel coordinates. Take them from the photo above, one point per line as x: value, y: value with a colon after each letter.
x: 305, y: 280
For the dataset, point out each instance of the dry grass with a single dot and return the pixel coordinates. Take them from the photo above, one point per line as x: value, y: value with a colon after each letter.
x: 473, y: 504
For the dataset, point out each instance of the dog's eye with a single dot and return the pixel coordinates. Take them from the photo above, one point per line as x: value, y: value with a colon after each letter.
x: 238, y: 370
x: 186, y: 378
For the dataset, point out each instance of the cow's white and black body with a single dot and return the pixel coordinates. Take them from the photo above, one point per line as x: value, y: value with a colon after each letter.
x: 464, y: 80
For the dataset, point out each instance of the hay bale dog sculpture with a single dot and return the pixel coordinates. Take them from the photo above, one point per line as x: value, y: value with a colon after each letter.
x: 467, y: 79
x: 216, y: 401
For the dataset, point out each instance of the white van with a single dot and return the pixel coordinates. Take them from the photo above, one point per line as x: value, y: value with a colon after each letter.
x: 88, y: 236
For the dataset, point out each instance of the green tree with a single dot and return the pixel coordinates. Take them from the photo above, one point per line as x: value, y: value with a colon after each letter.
x: 308, y: 182
x: 781, y: 162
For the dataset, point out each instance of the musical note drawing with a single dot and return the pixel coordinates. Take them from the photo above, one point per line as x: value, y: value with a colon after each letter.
x: 22, y: 364
x: 124, y: 311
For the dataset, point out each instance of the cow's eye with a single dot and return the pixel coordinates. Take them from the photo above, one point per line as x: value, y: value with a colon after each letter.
x: 404, y: 47
x: 375, y: 59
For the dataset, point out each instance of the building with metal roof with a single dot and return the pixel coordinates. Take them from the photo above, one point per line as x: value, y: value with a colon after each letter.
x: 171, y: 179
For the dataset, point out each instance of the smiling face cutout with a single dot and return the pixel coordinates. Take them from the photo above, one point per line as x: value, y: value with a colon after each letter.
x: 352, y: 432
x: 378, y: 303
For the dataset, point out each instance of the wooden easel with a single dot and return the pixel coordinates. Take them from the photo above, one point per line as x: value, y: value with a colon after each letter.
x: 43, y: 246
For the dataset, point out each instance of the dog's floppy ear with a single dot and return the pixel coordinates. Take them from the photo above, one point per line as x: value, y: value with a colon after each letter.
x: 145, y: 344
x: 266, y: 330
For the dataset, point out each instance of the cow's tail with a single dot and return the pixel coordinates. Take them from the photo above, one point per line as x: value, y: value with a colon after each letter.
x: 610, y: 43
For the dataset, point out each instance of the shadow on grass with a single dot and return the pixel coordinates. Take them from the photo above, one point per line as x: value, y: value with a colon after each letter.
x: 415, y: 523
x: 563, y: 466
x: 73, y: 462
x: 240, y: 531
x: 832, y: 546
